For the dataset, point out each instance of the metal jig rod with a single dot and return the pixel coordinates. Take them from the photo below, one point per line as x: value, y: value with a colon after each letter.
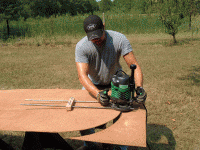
x: 38, y: 100
x: 65, y: 106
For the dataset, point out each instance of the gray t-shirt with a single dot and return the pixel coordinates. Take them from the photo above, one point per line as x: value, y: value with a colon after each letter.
x: 103, y: 61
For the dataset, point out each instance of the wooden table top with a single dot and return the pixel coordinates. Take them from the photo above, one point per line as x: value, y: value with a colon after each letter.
x: 16, y: 117
x: 129, y: 129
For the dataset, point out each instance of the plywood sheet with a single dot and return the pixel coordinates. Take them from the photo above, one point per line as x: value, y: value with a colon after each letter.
x: 16, y: 117
x: 130, y: 129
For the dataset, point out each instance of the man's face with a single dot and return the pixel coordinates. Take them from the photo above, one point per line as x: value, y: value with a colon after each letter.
x: 99, y: 41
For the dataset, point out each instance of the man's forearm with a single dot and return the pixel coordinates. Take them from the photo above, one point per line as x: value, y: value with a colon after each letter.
x: 130, y: 59
x: 89, y: 86
x: 138, y: 77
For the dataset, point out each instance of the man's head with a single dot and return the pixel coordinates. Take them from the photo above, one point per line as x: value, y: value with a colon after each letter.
x: 94, y: 28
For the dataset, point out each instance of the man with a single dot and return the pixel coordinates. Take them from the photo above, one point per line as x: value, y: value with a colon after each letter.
x: 97, y: 58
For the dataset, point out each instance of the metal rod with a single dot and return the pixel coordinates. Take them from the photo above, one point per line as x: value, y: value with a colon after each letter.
x: 60, y: 101
x: 65, y: 106
x: 72, y: 106
x: 92, y: 107
x: 43, y: 105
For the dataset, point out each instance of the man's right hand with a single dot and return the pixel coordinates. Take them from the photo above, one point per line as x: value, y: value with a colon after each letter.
x: 103, y: 97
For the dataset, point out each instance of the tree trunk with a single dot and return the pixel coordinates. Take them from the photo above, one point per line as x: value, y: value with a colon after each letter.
x: 174, y: 38
x: 8, y: 28
x: 190, y: 22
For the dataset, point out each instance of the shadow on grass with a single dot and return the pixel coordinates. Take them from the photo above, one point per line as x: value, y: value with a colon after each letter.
x: 8, y: 142
x: 157, y: 132
x: 193, y: 76
x: 4, y: 145
x: 37, y: 140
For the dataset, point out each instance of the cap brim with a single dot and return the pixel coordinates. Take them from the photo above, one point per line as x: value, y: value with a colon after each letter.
x: 95, y: 34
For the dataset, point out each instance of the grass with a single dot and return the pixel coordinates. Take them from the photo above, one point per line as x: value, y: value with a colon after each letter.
x: 171, y: 79
x: 73, y: 26
x: 172, y: 83
x: 22, y: 65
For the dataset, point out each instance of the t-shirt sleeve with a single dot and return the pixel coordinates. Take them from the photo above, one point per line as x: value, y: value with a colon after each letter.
x: 125, y: 46
x: 80, y: 55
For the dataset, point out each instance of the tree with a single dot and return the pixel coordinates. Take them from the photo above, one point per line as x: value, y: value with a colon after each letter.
x: 9, y: 10
x: 65, y: 6
x: 171, y: 14
x: 142, y: 5
x: 95, y: 6
x: 83, y: 6
x: 46, y: 8
x: 122, y: 5
x: 25, y: 8
x: 189, y: 8
x: 105, y: 5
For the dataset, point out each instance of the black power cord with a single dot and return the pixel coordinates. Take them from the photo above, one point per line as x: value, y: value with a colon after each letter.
x: 146, y: 124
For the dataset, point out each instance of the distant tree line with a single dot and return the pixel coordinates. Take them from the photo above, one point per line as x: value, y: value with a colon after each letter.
x: 45, y: 8
x: 171, y: 12
x: 14, y: 9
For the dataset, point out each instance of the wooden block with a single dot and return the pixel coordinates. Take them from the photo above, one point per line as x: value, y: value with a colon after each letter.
x: 70, y: 104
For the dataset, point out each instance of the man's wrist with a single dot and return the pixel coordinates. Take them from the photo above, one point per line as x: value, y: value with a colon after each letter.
x: 139, y: 87
x: 98, y: 94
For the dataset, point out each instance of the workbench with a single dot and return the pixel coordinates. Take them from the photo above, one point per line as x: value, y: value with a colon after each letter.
x: 129, y: 129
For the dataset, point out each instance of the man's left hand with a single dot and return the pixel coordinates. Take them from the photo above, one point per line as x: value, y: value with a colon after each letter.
x: 141, y: 95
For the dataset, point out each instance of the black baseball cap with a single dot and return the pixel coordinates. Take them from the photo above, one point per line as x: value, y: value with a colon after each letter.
x: 93, y: 27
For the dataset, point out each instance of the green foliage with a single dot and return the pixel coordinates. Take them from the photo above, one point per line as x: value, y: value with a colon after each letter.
x: 15, y: 9
x: 73, y: 25
x: 9, y: 9
x: 45, y: 8
x: 130, y: 24
x: 122, y: 5
x: 171, y: 13
x: 25, y: 9
x: 105, y: 5
x: 123, y: 16
x: 48, y: 8
x: 82, y: 6
x: 189, y: 7
x: 142, y: 5
x: 65, y: 6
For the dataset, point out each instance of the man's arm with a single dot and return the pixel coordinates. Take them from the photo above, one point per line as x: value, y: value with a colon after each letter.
x: 138, y: 76
x: 83, y: 69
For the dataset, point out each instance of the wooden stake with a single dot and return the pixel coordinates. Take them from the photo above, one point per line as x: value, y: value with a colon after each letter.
x: 104, y: 21
x: 70, y: 104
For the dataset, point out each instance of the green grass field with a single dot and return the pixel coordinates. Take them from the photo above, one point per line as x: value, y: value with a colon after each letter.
x: 61, y: 25
x: 171, y: 79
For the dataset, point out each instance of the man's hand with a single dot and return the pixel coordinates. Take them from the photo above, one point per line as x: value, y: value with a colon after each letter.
x: 103, y: 97
x: 141, y: 95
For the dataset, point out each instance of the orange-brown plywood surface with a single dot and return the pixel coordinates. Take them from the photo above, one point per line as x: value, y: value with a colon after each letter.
x: 15, y: 117
x: 130, y: 129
